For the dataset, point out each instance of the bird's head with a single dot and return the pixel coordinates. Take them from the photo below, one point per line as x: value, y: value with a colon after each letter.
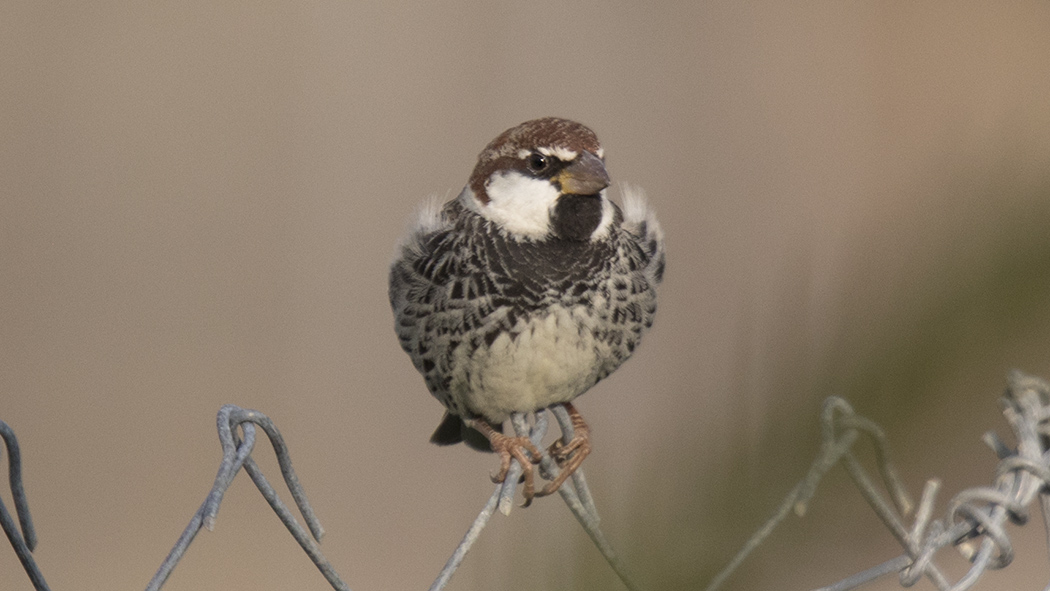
x: 543, y: 179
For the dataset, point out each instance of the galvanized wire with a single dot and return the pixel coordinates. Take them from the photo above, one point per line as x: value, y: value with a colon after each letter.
x: 237, y: 450
x: 25, y: 542
x: 578, y: 498
x: 973, y: 523
x: 502, y: 497
x: 237, y: 454
x: 574, y: 492
x: 974, y: 520
x: 841, y: 428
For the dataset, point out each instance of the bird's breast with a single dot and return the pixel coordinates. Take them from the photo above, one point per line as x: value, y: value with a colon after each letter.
x: 542, y: 360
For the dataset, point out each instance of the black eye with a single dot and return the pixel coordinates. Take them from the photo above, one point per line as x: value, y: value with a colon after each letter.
x: 538, y: 162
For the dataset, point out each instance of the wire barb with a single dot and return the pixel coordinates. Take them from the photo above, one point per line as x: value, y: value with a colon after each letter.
x: 23, y: 543
x: 974, y: 520
x: 236, y: 454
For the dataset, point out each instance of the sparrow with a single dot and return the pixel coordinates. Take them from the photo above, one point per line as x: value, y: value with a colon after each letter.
x: 526, y: 290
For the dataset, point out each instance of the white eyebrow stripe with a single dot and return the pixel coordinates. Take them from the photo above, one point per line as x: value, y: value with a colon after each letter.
x: 563, y: 154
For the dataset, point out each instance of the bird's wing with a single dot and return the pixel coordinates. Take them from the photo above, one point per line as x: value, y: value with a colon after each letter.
x: 418, y: 275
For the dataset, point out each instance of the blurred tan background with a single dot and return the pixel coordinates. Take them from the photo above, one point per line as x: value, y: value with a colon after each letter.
x: 199, y: 201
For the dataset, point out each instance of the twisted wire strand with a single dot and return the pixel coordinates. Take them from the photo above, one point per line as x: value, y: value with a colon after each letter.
x: 973, y: 522
x: 975, y: 518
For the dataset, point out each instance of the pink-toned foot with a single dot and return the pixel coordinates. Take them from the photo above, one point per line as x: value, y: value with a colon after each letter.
x: 508, y: 448
x: 569, y: 455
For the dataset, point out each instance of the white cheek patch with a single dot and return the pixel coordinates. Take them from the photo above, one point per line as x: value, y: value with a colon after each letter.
x: 519, y: 204
x: 604, y: 226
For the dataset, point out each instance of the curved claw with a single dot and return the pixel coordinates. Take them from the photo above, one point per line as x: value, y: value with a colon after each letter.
x: 513, y: 448
x: 508, y: 448
x: 569, y: 455
x: 516, y: 448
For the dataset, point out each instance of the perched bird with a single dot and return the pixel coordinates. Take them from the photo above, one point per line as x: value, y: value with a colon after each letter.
x: 526, y: 290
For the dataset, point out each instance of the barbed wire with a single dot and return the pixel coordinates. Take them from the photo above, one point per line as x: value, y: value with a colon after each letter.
x: 973, y: 523
x: 975, y: 517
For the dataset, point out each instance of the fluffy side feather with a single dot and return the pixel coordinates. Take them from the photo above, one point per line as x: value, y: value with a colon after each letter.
x: 640, y: 220
x: 427, y: 220
x: 428, y: 216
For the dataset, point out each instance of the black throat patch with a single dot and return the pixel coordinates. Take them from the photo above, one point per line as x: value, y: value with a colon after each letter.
x: 576, y: 217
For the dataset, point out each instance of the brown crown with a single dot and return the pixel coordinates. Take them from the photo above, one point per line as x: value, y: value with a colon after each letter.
x: 548, y: 132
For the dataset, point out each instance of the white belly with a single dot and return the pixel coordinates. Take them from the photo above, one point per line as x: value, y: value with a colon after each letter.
x: 551, y: 360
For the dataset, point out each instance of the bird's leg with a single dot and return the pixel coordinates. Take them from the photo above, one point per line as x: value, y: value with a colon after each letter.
x: 569, y: 454
x: 508, y: 448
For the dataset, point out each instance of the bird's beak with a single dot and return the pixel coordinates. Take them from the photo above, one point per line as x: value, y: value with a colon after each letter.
x: 584, y: 176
